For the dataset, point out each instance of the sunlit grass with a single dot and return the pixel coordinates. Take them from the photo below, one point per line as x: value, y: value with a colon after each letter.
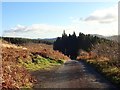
x: 110, y: 71
x: 40, y: 63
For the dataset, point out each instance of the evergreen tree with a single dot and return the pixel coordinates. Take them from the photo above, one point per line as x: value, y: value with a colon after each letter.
x: 70, y: 45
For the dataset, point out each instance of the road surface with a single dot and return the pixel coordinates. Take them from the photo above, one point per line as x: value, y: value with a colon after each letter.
x: 73, y: 74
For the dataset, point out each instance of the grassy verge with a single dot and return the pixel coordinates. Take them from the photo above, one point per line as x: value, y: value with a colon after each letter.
x: 39, y: 62
x: 110, y: 71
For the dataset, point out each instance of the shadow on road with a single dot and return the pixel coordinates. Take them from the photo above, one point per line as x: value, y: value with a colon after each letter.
x: 73, y: 74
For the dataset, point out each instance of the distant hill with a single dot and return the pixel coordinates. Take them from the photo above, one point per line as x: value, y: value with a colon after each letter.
x: 114, y: 38
x: 100, y: 36
x: 49, y: 39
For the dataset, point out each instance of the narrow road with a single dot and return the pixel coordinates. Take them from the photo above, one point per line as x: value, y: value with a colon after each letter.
x: 73, y: 74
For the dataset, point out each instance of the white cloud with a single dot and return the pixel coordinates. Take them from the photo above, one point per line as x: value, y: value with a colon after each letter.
x: 34, y: 27
x: 35, y: 31
x: 18, y: 28
x: 51, y: 31
x: 107, y: 15
x: 40, y: 30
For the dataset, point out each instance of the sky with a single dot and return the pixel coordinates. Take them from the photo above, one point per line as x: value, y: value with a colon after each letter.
x: 49, y: 19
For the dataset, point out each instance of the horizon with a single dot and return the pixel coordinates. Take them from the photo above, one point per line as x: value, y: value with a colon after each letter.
x: 60, y: 36
x: 49, y: 19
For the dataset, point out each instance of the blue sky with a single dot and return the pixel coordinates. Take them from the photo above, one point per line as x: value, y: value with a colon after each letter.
x: 49, y: 19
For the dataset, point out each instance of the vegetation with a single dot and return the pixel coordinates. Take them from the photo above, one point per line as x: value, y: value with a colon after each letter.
x: 20, y: 55
x: 107, y: 61
x: 15, y: 76
x: 18, y: 60
x: 25, y: 40
x: 101, y: 53
x: 70, y: 45
x: 39, y: 62
x: 110, y: 71
x: 104, y: 56
x: 45, y: 51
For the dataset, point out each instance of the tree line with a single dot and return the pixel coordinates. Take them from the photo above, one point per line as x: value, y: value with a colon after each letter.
x: 70, y: 45
x: 18, y: 41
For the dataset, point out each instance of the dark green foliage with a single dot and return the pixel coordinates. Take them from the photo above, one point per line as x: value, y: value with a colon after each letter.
x: 25, y: 40
x: 70, y: 45
x: 60, y: 61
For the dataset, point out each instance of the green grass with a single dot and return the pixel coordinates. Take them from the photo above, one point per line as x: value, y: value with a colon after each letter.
x: 111, y: 72
x: 40, y: 63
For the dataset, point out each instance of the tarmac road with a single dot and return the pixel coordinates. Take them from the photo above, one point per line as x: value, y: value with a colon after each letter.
x: 72, y: 74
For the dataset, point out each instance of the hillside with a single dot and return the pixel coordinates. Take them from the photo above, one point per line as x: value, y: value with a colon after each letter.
x: 101, y: 53
x: 100, y: 36
x: 114, y: 38
x: 50, y: 39
x: 24, y: 58
x: 104, y: 57
x: 19, y: 60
